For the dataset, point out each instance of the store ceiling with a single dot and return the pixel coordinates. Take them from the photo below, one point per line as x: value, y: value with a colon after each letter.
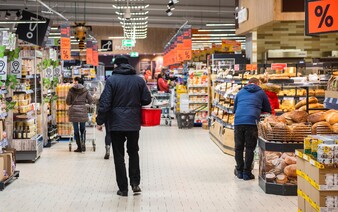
x: 100, y: 12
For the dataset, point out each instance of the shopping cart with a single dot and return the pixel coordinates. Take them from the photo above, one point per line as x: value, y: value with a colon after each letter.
x: 162, y: 100
x: 187, y: 120
x: 90, y: 128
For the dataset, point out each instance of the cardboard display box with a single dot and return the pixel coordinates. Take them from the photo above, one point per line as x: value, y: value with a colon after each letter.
x: 7, y: 157
x: 2, y: 167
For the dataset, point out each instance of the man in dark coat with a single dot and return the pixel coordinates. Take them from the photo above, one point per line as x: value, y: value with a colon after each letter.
x: 120, y: 105
x: 250, y: 102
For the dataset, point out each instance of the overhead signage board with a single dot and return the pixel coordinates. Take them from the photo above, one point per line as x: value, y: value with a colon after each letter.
x: 321, y: 16
x: 128, y: 43
x: 35, y: 33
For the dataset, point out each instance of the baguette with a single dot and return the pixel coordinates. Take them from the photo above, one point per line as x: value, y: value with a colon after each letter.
x: 312, y: 100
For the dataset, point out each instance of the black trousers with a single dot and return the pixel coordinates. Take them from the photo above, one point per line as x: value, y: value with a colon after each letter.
x: 117, y: 139
x: 245, y: 136
x: 107, y: 139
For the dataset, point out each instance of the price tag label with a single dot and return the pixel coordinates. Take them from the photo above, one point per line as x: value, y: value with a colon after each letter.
x: 288, y: 98
x: 301, y: 98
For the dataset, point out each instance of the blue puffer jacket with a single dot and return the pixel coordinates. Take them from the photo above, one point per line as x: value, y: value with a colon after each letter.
x: 250, y: 102
x: 122, y: 99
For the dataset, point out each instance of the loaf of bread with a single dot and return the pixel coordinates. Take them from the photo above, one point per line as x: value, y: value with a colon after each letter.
x: 290, y: 160
x: 323, y: 125
x: 299, y: 116
x: 290, y: 170
x: 332, y: 118
x: 312, y: 100
x: 335, y: 128
x: 312, y: 106
x: 316, y: 117
x: 328, y: 113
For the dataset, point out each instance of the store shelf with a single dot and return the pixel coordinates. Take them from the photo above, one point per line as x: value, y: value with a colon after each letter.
x: 24, y: 91
x: 198, y: 86
x: 198, y: 94
x: 226, y: 125
x: 275, y: 146
x: 194, y: 102
x: 234, y: 81
x: 228, y: 110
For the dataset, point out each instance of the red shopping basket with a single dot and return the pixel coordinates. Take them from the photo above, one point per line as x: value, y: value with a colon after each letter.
x: 151, y: 117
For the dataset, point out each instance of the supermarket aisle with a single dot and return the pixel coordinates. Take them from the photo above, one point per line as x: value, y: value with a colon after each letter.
x: 182, y: 170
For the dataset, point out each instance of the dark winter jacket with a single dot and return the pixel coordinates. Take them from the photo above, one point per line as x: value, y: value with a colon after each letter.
x: 122, y: 99
x: 78, y: 96
x: 250, y: 102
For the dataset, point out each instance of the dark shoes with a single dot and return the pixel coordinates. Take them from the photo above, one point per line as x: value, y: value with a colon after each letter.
x: 238, y: 174
x: 106, y: 156
x: 122, y: 193
x: 78, y: 150
x: 136, y: 188
x: 248, y: 176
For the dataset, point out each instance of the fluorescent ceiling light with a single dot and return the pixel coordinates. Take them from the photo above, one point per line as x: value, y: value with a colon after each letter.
x: 205, y: 41
x: 116, y: 37
x: 133, y: 19
x: 215, y: 38
x: 131, y: 7
x: 136, y: 30
x: 220, y: 24
x: 135, y: 27
x: 213, y: 35
x: 54, y: 33
x: 21, y: 22
x: 137, y: 24
x: 217, y: 30
x: 133, y: 14
x: 4, y: 29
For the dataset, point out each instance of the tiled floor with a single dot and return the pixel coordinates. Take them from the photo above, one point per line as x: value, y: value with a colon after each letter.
x: 182, y: 170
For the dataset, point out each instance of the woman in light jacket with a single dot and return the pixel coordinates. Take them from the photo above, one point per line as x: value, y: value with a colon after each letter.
x: 77, y: 98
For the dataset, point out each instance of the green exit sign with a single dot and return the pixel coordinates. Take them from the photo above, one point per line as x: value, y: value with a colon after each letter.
x: 134, y: 54
x: 128, y: 43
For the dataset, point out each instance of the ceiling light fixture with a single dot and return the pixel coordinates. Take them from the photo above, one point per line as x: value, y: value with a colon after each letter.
x: 213, y: 35
x: 133, y: 14
x: 131, y: 7
x: 212, y: 25
x: 22, y: 22
x: 117, y: 37
x: 137, y: 23
x: 217, y: 30
x: 133, y: 19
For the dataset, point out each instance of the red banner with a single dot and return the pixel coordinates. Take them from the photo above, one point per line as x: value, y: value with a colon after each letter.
x: 95, y: 55
x: 278, y: 66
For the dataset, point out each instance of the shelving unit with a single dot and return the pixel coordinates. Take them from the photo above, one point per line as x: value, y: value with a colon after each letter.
x: 26, y: 131
x: 64, y: 127
x: 198, y: 94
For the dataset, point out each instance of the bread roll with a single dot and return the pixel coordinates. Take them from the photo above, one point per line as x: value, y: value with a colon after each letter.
x: 329, y: 112
x: 316, y: 117
x: 270, y: 177
x: 290, y: 170
x: 303, y: 102
x: 335, y: 128
x: 290, y: 160
x: 322, y: 124
x: 271, y: 119
x: 299, y: 116
x: 312, y: 106
x: 281, y: 179
x: 332, y: 118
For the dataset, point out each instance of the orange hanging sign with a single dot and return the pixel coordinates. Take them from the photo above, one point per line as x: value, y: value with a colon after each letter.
x: 89, y: 56
x: 321, y: 16
x: 65, y: 54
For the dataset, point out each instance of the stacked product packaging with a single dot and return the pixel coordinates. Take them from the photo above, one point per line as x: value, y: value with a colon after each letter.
x: 317, y: 170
